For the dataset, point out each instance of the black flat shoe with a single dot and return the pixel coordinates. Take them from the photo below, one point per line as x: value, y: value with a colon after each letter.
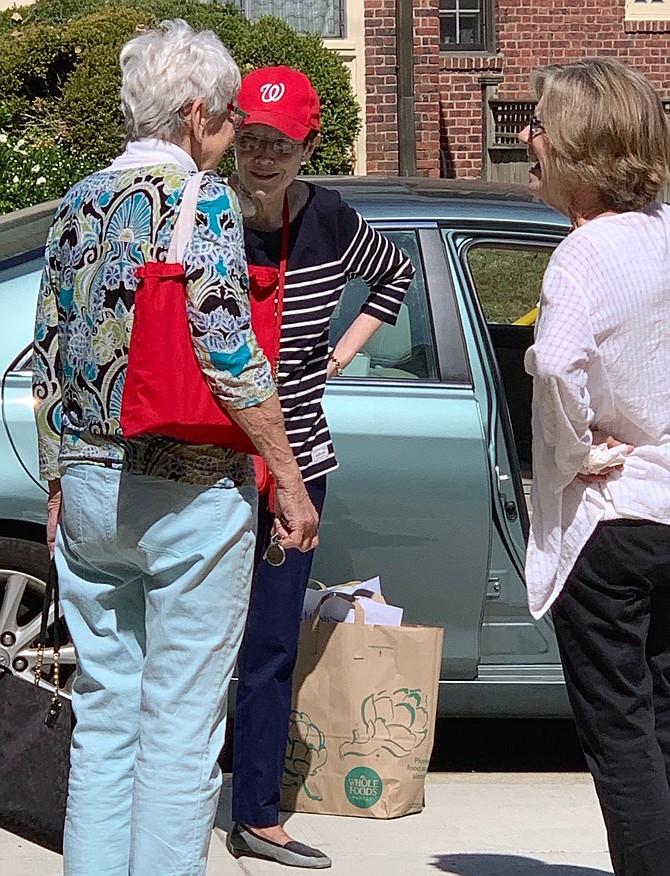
x: 241, y: 841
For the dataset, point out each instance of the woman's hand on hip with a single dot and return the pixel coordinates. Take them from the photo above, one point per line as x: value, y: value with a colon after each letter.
x: 600, y: 438
x: 610, y: 441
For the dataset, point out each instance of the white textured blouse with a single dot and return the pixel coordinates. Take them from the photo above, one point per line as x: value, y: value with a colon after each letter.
x: 600, y: 361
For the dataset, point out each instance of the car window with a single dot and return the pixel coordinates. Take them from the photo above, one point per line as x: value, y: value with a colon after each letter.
x: 23, y: 363
x: 508, y: 280
x: 19, y: 281
x: 405, y: 351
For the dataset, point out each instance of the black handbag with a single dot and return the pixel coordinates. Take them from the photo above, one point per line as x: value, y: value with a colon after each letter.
x: 35, y: 731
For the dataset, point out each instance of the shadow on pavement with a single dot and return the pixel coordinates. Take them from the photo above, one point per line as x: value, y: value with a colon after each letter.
x: 506, y: 745
x: 508, y: 865
x: 498, y: 745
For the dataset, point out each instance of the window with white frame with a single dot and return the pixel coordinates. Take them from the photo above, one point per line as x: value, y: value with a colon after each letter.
x: 647, y: 10
x: 465, y: 25
x: 323, y: 17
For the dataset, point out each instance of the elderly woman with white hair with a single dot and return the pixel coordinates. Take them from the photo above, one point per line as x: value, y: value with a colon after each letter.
x: 155, y: 542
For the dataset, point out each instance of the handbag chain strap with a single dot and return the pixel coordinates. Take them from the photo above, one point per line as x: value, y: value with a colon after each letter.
x: 281, y: 285
x: 51, y: 595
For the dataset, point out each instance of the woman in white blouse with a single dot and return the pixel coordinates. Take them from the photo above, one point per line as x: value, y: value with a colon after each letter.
x: 599, y: 552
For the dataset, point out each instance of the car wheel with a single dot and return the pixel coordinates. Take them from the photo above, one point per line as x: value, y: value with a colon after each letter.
x: 23, y: 571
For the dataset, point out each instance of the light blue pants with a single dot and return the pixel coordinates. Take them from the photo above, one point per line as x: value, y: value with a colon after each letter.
x: 154, y: 578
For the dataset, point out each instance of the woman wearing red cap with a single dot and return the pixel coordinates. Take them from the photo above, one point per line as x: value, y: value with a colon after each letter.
x: 303, y: 244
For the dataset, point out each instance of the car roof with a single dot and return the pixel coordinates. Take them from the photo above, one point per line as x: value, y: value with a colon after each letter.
x: 377, y: 198
x: 419, y: 186
x: 406, y: 198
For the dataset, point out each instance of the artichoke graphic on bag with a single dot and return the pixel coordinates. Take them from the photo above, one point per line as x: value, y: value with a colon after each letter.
x: 395, y: 722
x: 364, y: 709
x: 305, y: 754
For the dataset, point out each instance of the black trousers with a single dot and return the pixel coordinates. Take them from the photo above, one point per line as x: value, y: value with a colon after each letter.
x: 265, y: 667
x: 613, y: 629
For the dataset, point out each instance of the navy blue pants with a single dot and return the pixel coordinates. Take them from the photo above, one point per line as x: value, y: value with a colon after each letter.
x: 613, y: 628
x: 265, y: 663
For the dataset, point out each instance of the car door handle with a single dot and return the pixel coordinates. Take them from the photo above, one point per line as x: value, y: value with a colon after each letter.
x: 511, y: 510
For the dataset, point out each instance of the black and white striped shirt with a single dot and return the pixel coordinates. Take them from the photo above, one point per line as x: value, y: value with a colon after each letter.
x: 329, y: 243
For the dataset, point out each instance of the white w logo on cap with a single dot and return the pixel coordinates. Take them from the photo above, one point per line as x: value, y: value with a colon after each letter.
x: 272, y: 92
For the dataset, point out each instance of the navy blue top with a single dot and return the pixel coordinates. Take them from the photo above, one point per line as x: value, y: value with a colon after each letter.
x: 329, y: 244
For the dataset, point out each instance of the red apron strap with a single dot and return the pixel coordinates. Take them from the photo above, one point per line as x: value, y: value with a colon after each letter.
x: 264, y: 479
x: 281, y: 284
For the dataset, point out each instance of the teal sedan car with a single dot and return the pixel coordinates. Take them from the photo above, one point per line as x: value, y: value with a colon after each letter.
x: 431, y: 423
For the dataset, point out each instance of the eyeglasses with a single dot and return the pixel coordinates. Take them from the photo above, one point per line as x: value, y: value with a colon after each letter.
x: 236, y: 115
x: 280, y: 146
x: 535, y: 127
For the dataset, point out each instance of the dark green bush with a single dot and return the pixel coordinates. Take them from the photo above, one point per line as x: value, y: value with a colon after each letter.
x: 33, y: 63
x: 11, y: 19
x: 59, y: 69
x: 89, y: 112
x: 67, y: 79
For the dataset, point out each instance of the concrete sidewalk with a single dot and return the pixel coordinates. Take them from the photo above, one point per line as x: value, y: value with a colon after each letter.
x: 526, y: 824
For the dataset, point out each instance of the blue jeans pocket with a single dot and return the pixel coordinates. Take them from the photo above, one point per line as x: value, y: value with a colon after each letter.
x: 177, y: 521
x: 82, y: 512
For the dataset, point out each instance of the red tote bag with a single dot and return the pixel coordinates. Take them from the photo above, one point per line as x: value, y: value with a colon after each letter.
x: 165, y: 391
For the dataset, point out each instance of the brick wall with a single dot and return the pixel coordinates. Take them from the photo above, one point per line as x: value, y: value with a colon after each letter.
x: 448, y: 89
x: 547, y: 33
x: 380, y: 86
x: 426, y: 95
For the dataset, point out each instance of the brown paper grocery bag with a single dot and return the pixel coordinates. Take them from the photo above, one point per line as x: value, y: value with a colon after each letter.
x: 363, y: 719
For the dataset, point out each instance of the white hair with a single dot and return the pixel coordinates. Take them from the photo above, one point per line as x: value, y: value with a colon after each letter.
x: 165, y: 70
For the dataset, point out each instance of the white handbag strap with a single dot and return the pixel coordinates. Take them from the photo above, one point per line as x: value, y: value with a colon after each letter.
x: 183, y: 227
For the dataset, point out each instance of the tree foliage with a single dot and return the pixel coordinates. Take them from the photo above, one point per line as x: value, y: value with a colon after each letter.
x: 59, y: 72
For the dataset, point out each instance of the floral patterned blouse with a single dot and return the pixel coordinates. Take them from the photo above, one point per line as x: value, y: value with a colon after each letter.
x: 108, y: 225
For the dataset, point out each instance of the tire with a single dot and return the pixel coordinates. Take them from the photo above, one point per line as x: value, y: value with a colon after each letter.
x: 26, y: 556
x: 24, y: 567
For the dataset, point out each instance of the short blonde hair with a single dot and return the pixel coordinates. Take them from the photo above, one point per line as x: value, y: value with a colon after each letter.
x: 607, y: 128
x: 165, y: 71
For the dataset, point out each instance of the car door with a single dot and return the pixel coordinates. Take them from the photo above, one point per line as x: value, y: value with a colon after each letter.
x: 411, y: 498
x: 500, y: 274
x: 22, y: 497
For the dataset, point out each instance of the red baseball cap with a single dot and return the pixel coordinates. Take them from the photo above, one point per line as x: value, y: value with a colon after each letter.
x: 282, y: 98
